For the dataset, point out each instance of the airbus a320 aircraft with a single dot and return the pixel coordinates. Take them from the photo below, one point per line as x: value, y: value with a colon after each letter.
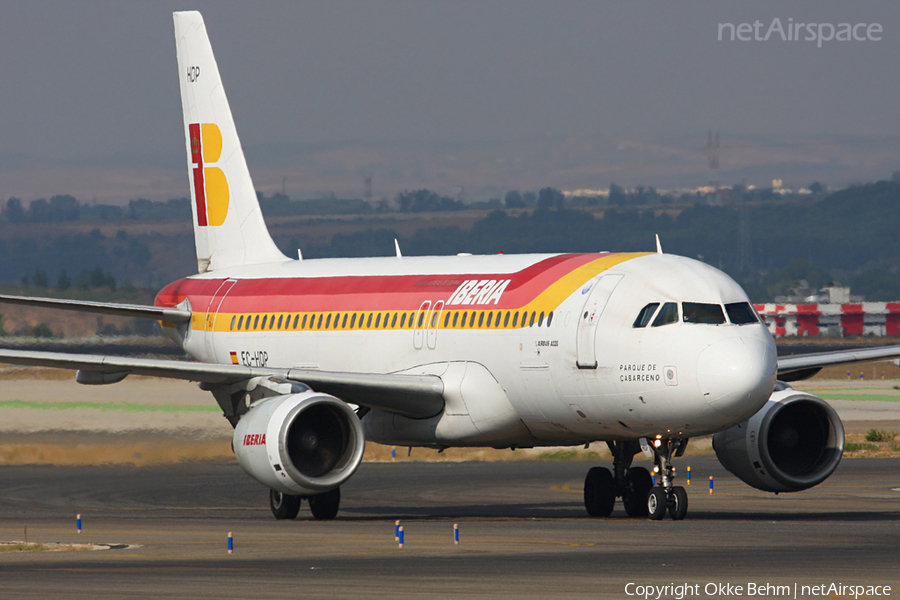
x: 308, y: 359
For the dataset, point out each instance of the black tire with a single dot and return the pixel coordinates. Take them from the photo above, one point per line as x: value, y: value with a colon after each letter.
x: 656, y: 503
x: 325, y: 506
x: 284, y: 506
x: 599, y: 492
x: 679, y: 503
x: 637, y: 487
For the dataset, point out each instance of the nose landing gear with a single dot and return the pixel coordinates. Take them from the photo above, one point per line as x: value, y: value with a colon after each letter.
x: 634, y: 484
x: 666, y: 496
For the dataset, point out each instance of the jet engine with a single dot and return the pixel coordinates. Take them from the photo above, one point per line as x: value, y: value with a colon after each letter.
x: 793, y: 443
x: 299, y: 444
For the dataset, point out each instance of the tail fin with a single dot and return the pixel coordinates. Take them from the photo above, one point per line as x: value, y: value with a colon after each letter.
x: 229, y: 229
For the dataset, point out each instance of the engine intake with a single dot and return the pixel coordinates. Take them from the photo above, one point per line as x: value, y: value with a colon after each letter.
x: 299, y: 444
x: 793, y: 443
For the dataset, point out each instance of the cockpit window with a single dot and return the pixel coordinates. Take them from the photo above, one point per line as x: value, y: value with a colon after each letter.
x: 667, y: 314
x: 708, y: 314
x: 645, y: 315
x: 741, y: 313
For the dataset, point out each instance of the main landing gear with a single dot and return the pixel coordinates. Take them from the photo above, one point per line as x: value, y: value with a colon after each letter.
x: 323, y: 506
x: 634, y: 484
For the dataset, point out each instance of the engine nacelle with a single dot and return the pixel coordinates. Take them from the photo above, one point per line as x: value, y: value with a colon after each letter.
x: 299, y: 444
x: 793, y: 443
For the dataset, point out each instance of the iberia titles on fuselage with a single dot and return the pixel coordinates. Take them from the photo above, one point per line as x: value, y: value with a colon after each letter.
x: 600, y: 346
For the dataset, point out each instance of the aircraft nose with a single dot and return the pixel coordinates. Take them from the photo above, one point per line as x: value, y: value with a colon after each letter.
x: 737, y: 375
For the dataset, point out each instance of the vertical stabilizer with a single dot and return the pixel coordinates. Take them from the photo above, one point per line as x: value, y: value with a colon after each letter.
x: 228, y: 225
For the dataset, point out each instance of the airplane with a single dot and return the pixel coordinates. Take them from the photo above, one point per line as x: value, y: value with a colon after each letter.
x: 309, y: 359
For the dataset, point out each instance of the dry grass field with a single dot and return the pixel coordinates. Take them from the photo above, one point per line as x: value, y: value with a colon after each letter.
x: 46, y: 418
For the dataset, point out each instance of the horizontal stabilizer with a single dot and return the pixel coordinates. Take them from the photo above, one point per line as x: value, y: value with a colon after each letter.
x: 138, y: 311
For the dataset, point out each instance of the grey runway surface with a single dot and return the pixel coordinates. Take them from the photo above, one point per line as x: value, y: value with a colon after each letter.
x: 523, y: 532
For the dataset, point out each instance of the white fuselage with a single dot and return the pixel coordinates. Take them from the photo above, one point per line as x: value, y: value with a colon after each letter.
x: 589, y: 374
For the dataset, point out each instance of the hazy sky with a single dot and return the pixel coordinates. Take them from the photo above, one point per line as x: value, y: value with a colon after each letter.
x: 326, y: 91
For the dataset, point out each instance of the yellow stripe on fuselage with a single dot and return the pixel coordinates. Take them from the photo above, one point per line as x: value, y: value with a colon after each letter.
x: 543, y: 304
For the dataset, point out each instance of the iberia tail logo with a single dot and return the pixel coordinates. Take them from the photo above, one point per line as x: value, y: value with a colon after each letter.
x: 210, y: 184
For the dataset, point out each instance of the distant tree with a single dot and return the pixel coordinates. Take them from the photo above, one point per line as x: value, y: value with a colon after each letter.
x: 513, y: 199
x: 617, y: 195
x: 426, y: 201
x: 877, y: 285
x: 63, y: 283
x: 551, y: 198
x: 13, y: 211
x: 41, y: 330
x: 40, y: 278
x: 95, y: 278
x: 64, y: 208
x: 140, y: 209
x: 816, y: 188
x: 895, y: 176
x: 39, y: 211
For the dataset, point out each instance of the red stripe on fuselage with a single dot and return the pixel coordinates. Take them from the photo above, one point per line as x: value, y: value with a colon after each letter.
x: 351, y: 293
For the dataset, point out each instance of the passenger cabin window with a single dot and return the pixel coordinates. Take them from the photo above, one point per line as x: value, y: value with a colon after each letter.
x: 668, y: 314
x: 706, y: 314
x: 506, y: 319
x: 741, y: 313
x: 402, y: 320
x: 549, y: 318
x: 240, y: 322
x: 645, y: 315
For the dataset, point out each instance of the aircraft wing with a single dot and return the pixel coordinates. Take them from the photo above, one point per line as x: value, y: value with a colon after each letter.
x: 803, y: 366
x: 140, y: 311
x: 416, y: 396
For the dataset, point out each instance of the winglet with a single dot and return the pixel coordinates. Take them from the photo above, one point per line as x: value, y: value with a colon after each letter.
x: 658, y: 245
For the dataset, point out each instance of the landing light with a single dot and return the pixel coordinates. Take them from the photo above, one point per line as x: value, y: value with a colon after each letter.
x: 657, y: 443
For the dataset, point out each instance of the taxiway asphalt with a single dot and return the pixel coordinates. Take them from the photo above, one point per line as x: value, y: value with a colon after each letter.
x: 523, y: 534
